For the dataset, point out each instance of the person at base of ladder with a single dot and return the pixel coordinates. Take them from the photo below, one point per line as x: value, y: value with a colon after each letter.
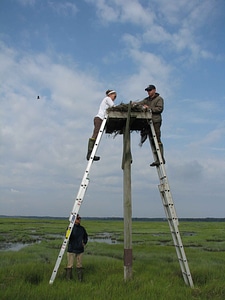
x: 78, y: 239
x: 107, y: 102
x: 156, y: 103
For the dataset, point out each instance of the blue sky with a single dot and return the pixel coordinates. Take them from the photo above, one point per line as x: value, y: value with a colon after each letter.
x: 69, y: 53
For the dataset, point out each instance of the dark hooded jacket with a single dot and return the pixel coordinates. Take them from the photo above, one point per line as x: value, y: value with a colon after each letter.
x: 78, y: 239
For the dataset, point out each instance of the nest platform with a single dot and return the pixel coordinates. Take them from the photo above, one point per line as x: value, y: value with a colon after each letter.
x: 117, y: 116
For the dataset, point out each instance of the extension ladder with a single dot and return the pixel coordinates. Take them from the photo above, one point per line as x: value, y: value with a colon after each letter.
x: 169, y: 208
x: 78, y: 202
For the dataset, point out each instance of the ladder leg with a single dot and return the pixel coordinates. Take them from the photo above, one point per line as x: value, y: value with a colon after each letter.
x: 169, y: 208
x: 78, y: 202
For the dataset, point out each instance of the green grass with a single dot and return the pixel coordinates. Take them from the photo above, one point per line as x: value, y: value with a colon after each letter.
x: 156, y: 272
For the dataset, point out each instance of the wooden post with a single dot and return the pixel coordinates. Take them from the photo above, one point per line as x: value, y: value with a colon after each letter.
x: 126, y: 166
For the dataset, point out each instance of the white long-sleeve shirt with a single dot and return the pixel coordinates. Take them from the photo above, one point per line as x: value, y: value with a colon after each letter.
x: 106, y: 103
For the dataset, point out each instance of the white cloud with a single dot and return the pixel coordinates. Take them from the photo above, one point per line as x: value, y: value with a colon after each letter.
x: 64, y: 8
x: 133, y: 12
x: 14, y: 191
x: 130, y: 11
x: 212, y: 137
x: 151, y: 69
x: 156, y: 34
x: 41, y: 136
x: 132, y: 41
x: 161, y: 22
x: 43, y: 142
x: 108, y: 13
x: 183, y: 13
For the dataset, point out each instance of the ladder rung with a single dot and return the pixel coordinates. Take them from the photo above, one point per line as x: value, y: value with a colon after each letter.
x: 172, y: 219
x: 168, y: 204
x: 181, y: 259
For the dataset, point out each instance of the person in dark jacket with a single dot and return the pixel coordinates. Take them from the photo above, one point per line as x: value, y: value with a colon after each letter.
x: 78, y: 239
x: 155, y: 103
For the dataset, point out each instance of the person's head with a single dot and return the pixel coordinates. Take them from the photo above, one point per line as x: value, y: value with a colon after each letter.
x: 78, y: 219
x: 111, y: 94
x: 151, y: 89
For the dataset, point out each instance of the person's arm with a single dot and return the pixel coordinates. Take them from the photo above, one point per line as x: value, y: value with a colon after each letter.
x: 158, y: 107
x: 85, y: 237
x: 109, y: 102
x: 144, y: 103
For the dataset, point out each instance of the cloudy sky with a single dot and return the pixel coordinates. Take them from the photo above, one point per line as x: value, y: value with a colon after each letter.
x: 69, y: 53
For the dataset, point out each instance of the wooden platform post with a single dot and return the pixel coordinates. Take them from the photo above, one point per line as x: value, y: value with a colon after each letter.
x: 127, y: 203
x: 123, y: 121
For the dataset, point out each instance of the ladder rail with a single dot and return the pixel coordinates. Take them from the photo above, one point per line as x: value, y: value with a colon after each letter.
x: 78, y: 201
x: 169, y: 208
x: 181, y: 254
x: 161, y: 170
x: 167, y: 201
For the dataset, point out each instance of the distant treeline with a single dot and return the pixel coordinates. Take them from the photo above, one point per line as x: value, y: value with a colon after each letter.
x: 211, y: 219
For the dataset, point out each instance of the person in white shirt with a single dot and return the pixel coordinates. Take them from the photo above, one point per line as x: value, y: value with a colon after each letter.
x: 107, y: 102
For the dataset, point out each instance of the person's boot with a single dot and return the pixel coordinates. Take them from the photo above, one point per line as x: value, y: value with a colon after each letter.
x: 157, y: 163
x: 91, y: 144
x: 80, y: 274
x: 69, y: 274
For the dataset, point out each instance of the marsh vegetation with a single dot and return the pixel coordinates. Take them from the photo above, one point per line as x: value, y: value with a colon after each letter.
x: 25, y: 273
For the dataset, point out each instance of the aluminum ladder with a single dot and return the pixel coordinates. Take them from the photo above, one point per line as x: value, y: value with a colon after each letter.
x: 169, y: 208
x: 78, y: 202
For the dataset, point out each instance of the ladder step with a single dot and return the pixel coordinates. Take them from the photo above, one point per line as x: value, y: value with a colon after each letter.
x: 168, y: 205
x: 183, y: 260
x: 179, y: 246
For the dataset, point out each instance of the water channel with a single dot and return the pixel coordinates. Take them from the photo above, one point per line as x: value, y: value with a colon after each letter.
x: 104, y: 237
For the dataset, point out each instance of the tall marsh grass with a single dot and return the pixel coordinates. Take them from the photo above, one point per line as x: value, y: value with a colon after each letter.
x: 25, y: 274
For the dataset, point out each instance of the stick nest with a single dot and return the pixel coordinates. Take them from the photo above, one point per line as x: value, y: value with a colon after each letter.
x: 122, y: 107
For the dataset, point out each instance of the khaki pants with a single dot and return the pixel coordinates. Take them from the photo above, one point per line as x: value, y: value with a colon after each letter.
x: 71, y: 257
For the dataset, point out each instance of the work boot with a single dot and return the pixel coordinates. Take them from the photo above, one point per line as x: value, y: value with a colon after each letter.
x: 69, y: 274
x: 91, y: 144
x: 157, y: 163
x: 80, y: 274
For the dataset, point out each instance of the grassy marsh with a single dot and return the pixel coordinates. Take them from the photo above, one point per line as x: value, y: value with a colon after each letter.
x: 25, y: 274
